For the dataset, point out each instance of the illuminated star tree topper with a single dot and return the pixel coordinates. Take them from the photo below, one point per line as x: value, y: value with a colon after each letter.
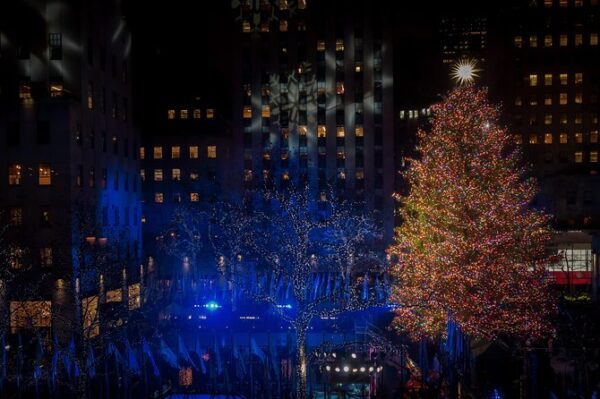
x: 464, y: 71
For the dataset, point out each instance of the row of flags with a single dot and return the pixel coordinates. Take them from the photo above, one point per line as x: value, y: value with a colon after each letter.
x: 64, y: 361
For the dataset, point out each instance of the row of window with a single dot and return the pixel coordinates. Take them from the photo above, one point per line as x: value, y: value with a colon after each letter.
x: 563, y: 99
x: 185, y: 113
x: 115, y: 102
x: 159, y: 198
x: 563, y: 40
x: 565, y: 3
x: 15, y: 217
x: 157, y: 152
x: 563, y: 138
x: 15, y: 174
x: 563, y: 119
x: 548, y: 78
x: 16, y: 257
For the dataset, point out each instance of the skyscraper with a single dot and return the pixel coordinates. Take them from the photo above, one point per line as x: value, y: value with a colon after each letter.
x: 71, y: 188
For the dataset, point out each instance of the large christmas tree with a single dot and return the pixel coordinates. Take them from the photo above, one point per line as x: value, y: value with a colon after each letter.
x: 470, y: 247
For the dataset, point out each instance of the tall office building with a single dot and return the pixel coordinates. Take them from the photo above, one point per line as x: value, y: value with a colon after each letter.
x: 185, y: 166
x: 313, y: 100
x: 550, y: 97
x: 71, y: 187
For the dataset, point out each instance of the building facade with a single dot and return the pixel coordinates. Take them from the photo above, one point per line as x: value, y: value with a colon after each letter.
x: 71, y: 189
x: 313, y: 100
x: 548, y: 82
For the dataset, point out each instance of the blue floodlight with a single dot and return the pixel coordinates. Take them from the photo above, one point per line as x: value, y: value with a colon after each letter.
x: 286, y: 306
x: 212, y: 306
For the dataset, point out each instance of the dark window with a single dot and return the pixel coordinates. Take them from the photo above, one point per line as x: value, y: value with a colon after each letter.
x: 43, y: 132
x: 55, y: 46
x: 13, y: 137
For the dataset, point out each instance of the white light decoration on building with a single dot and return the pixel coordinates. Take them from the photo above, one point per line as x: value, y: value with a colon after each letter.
x: 464, y: 71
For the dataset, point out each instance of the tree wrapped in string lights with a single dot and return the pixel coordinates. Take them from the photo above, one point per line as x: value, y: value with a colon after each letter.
x: 470, y: 250
x: 306, y: 257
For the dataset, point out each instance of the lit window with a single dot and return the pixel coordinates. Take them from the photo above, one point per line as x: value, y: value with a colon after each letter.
x: 266, y: 111
x: 578, y: 39
x: 340, y: 131
x: 45, y: 175
x: 548, y: 3
x: 210, y: 113
x: 302, y: 130
x: 247, y: 112
x: 548, y: 99
x: 578, y: 119
x: 193, y: 175
x: 321, y: 131
x: 285, y: 176
x: 594, y: 156
x: 548, y: 138
x: 193, y: 152
x: 533, y: 80
x: 563, y: 138
x: 357, y: 67
x: 158, y: 175
x: 176, y: 174
x: 339, y: 87
x: 518, y: 41
x: 158, y: 198
x: 563, y: 3
x: 339, y: 45
x: 246, y: 28
x: 578, y: 3
x: 14, y: 174
x: 157, y: 151
x: 578, y: 157
x: 320, y: 45
x: 564, y: 41
x: 578, y: 78
x: 30, y: 314
x: 358, y: 131
x: 16, y: 217
x: 143, y: 174
x: 594, y: 136
x: 46, y: 257
x: 171, y: 114
x: 564, y: 79
x: 194, y: 197
x: 593, y: 39
x: 548, y: 79
x: 115, y: 295
x: 533, y: 41
x: 142, y: 153
x: 301, y: 4
x: 533, y: 100
x: 533, y: 138
x: 563, y: 99
x: 264, y: 27
x: 579, y: 137
x: 283, y: 25
x: 175, y: 152
x: 211, y: 151
x: 578, y: 98
x: 563, y: 119
x: 56, y: 89
x: 91, y: 323
x: 90, y: 95
x: 518, y: 101
x: 247, y: 175
x: 283, y: 4
x: 547, y: 119
x: 548, y: 41
x: 518, y: 139
x: 197, y: 114
x: 183, y: 114
x: 15, y: 256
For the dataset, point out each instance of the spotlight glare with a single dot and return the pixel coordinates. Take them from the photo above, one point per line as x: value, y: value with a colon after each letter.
x: 371, y: 369
x: 362, y: 369
x: 346, y: 369
x: 328, y: 368
x: 353, y: 356
x: 337, y: 369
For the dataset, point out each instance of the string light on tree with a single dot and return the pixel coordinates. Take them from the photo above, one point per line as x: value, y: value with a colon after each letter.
x: 470, y: 248
x: 464, y: 71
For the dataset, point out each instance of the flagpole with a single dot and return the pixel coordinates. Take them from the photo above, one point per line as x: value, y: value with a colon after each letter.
x: 251, y: 368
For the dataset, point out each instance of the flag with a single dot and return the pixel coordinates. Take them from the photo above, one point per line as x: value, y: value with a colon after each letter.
x: 3, y: 360
x: 39, y: 354
x: 365, y: 287
x: 273, y: 356
x: 132, y: 364
x: 55, y: 358
x: 19, y: 360
x: 240, y: 365
x: 328, y: 287
x: 90, y: 362
x: 218, y: 356
x: 168, y: 354
x: 200, y: 353
x: 183, y: 352
x: 256, y: 350
x: 148, y: 352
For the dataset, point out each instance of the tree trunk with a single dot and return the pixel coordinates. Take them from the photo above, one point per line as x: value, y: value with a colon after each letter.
x: 301, y: 366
